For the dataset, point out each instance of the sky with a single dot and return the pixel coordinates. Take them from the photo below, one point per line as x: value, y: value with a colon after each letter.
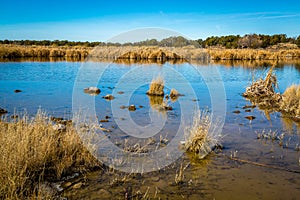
x: 99, y: 20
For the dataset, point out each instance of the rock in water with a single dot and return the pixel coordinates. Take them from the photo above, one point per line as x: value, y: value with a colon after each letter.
x: 92, y: 90
x: 131, y: 108
x: 109, y: 97
x: 2, y: 111
x: 17, y: 91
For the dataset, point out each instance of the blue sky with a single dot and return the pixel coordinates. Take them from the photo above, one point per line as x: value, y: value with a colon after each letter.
x: 101, y: 20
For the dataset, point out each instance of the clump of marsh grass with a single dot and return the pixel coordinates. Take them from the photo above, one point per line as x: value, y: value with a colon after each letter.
x: 262, y: 91
x: 199, y: 139
x: 290, y: 103
x: 156, y: 87
x: 174, y: 93
x: 33, y: 152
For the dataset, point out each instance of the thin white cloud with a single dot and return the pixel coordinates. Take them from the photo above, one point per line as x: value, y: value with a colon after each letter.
x: 194, y: 25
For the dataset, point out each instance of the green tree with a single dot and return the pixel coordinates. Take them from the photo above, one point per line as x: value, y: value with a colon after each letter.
x: 298, y: 41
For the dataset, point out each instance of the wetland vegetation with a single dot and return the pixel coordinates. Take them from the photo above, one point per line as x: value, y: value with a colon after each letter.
x: 247, y: 47
x: 43, y: 157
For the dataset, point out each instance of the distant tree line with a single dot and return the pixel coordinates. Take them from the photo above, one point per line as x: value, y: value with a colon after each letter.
x: 248, y: 41
x: 230, y: 42
x: 51, y: 43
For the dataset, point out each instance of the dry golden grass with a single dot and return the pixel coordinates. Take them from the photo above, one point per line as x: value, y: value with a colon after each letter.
x: 148, y: 53
x: 17, y: 51
x: 174, y: 93
x: 32, y: 153
x: 290, y: 103
x: 156, y: 87
x: 262, y: 91
x: 198, y: 138
x: 253, y: 54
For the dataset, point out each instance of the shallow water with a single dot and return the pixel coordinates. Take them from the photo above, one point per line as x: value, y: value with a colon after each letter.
x: 56, y: 86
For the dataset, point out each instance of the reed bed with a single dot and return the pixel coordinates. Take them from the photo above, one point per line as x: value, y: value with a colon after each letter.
x: 148, y: 53
x: 34, y: 153
x: 17, y: 51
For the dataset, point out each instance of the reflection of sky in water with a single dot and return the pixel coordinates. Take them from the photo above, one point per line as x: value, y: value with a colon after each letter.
x: 50, y: 85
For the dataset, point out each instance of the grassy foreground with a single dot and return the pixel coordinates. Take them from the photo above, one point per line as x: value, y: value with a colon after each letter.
x: 146, y: 52
x: 33, y: 154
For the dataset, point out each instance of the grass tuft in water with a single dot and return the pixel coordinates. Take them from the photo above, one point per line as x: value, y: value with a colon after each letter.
x: 199, y: 139
x: 156, y: 87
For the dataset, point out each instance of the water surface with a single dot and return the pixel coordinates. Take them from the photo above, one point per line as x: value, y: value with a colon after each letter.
x: 50, y: 86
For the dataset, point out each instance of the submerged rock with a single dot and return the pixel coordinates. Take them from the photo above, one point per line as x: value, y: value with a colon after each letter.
x: 122, y: 107
x: 250, y: 117
x: 131, y: 108
x: 236, y: 111
x: 249, y: 106
x: 17, y: 91
x: 109, y: 97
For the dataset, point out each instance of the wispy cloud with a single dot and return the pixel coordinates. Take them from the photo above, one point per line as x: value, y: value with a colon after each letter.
x: 193, y: 25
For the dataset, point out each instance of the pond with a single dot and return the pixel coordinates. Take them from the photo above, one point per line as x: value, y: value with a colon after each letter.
x: 265, y: 169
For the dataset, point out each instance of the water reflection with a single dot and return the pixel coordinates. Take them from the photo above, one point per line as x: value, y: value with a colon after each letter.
x: 155, y: 101
x: 148, y: 61
x: 42, y: 59
x: 258, y: 64
x: 290, y: 125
